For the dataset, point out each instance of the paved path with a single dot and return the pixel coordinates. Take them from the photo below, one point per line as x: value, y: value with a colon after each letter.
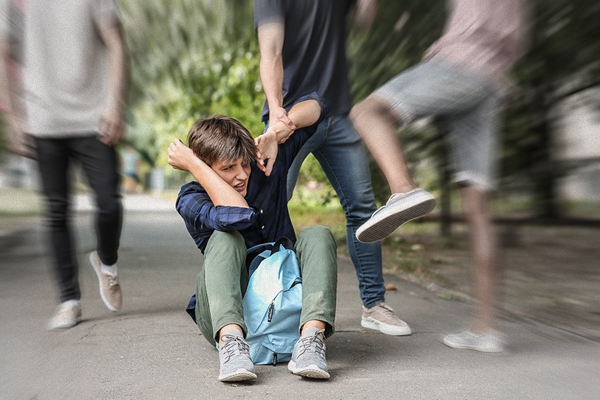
x: 152, y: 350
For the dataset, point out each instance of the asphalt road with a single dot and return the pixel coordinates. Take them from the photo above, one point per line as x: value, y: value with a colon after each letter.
x: 152, y: 350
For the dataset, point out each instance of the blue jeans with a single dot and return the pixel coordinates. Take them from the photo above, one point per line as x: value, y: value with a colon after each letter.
x: 339, y: 150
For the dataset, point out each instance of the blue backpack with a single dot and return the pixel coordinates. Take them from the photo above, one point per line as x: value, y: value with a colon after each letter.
x: 272, y: 303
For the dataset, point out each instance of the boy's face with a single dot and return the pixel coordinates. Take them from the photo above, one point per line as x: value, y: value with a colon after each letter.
x: 235, y: 173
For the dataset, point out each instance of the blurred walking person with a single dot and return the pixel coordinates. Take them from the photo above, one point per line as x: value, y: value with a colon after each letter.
x: 75, y: 74
x: 462, y: 78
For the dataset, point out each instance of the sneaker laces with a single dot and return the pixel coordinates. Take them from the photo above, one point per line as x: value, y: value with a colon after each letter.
x: 112, y: 279
x: 385, y: 309
x: 306, y: 343
x: 234, y: 344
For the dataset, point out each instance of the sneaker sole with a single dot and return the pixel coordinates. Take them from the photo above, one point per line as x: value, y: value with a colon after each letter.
x: 386, y: 221
x: 50, y: 327
x: 312, y: 371
x: 385, y: 328
x: 93, y: 255
x: 470, y: 347
x: 238, y: 376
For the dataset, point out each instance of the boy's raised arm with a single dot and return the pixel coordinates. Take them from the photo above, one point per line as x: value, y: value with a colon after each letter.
x: 181, y: 157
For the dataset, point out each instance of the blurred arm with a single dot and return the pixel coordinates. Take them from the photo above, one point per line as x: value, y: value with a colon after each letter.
x: 10, y: 97
x: 112, y: 122
x: 364, y: 13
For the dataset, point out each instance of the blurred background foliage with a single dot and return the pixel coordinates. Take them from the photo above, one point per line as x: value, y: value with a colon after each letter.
x: 194, y: 58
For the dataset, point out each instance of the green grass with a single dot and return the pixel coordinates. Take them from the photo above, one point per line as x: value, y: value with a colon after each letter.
x: 20, y: 202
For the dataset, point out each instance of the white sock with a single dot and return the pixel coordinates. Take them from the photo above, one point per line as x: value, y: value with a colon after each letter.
x: 108, y: 269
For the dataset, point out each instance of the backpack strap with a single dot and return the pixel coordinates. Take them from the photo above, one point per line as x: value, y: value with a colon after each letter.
x: 282, y: 242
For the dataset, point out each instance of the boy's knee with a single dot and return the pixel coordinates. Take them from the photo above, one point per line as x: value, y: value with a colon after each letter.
x: 317, y: 235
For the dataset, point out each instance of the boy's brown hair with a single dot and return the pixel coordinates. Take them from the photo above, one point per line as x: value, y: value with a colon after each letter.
x: 221, y: 139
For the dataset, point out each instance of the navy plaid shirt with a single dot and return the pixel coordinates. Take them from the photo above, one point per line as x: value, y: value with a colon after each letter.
x: 266, y: 220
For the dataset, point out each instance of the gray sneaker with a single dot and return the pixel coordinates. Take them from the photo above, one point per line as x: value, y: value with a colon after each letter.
x: 234, y: 358
x: 67, y: 315
x: 308, y: 359
x: 490, y: 342
x: 400, y: 208
x: 382, y: 318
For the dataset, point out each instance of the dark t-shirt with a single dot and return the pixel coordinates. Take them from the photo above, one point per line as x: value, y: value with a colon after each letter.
x: 314, y: 50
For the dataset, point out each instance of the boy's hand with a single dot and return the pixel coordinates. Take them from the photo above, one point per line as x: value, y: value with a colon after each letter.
x: 181, y: 157
x: 267, y: 151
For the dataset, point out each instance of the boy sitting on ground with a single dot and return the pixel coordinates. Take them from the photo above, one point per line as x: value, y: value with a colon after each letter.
x: 234, y: 206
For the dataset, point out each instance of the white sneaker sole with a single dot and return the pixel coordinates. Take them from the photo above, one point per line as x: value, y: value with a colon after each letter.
x: 390, y: 217
x: 495, y: 348
x: 239, y: 375
x: 387, y: 329
x: 70, y: 324
x: 312, y: 371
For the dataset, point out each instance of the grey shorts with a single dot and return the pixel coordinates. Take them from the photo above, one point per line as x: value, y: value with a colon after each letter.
x: 467, y: 100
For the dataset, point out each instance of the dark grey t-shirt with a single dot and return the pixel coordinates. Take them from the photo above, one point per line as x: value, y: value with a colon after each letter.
x: 314, y: 49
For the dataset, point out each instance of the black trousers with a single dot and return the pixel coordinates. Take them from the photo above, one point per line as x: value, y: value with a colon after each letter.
x: 99, y: 162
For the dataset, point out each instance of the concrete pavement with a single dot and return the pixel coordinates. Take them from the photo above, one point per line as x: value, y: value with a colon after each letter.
x: 152, y: 349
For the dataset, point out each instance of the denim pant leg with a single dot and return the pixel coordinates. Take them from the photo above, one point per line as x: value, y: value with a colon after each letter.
x: 221, y: 284
x: 100, y: 164
x: 316, y: 250
x: 339, y: 149
x: 53, y: 163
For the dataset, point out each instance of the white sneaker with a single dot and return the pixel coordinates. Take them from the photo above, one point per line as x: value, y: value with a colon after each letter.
x: 67, y: 315
x: 490, y: 342
x: 399, y: 209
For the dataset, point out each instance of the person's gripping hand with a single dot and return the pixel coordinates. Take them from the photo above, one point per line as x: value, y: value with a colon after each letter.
x: 112, y: 126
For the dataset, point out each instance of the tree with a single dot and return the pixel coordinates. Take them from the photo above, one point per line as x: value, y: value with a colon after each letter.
x: 189, y: 59
x: 562, y: 61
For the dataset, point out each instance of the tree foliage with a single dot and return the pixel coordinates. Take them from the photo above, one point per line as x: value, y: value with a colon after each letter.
x: 189, y: 59
x: 193, y: 58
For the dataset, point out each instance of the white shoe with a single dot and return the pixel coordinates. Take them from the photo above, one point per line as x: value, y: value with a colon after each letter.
x: 110, y: 290
x: 383, y: 319
x: 399, y: 209
x: 490, y: 342
x: 67, y: 315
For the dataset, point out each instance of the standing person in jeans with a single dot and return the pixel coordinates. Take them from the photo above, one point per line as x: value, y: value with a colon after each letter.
x: 461, y: 78
x: 302, y: 47
x: 234, y: 206
x: 74, y: 89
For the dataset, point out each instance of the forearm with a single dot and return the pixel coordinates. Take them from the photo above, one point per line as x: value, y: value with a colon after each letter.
x: 271, y: 76
x: 270, y: 41
x: 181, y: 157
x: 10, y: 88
x: 220, y: 193
x: 364, y: 13
x: 302, y: 114
x: 305, y: 113
x: 118, y: 66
